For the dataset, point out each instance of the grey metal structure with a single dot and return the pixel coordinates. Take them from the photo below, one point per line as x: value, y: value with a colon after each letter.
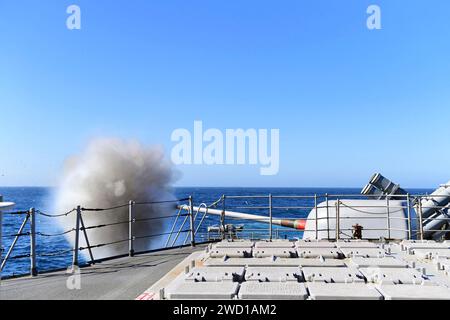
x: 381, y: 187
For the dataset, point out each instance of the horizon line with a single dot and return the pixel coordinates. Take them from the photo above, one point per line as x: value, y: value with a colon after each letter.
x: 235, y: 187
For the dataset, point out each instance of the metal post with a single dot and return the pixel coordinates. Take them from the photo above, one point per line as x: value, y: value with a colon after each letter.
x: 76, y: 247
x: 409, y: 216
x: 328, y: 217
x: 131, y: 221
x: 4, y: 206
x: 8, y: 254
x: 87, y: 239
x: 191, y: 210
x: 388, y: 217
x: 317, y: 217
x: 420, y: 219
x: 33, y: 269
x: 180, y: 230
x: 338, y: 219
x: 270, y: 216
x: 173, y: 228
x: 222, y: 218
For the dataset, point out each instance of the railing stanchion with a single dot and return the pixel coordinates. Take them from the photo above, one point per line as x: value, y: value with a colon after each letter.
x: 408, y: 199
x: 328, y: 217
x: 91, y: 255
x: 222, y: 218
x: 16, y: 238
x: 76, y: 247
x: 270, y: 216
x: 338, y: 219
x: 131, y: 221
x: 33, y: 269
x: 191, y: 210
x: 173, y: 227
x: 419, y: 205
x: 316, y: 212
x: 388, y: 217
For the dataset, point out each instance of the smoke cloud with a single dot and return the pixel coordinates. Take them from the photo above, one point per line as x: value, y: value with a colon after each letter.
x: 109, y: 173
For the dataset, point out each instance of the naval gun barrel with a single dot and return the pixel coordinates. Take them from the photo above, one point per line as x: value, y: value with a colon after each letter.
x: 298, y: 224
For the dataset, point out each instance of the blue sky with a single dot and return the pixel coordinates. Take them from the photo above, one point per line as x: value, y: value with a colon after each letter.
x: 348, y: 101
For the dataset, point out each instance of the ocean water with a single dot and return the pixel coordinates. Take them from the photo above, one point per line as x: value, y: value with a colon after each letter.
x: 42, y: 199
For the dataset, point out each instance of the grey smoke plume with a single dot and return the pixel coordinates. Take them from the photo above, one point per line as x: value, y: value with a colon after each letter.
x: 109, y: 173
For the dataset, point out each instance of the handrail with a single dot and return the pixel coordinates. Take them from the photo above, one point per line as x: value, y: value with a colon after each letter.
x: 333, y: 204
x: 80, y: 227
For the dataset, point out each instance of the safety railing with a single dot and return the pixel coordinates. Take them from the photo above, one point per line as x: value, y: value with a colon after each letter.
x: 79, y: 232
x: 300, y: 206
x: 326, y: 216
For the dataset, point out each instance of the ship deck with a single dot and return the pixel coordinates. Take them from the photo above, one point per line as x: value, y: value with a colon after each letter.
x: 119, y: 279
x: 310, y: 270
x: 241, y: 270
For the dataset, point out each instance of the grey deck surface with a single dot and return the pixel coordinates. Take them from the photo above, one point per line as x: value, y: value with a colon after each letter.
x: 120, y: 279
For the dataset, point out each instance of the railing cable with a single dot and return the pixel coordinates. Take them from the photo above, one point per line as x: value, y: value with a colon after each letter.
x: 55, y: 215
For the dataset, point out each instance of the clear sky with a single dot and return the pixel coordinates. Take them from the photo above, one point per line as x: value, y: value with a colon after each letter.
x: 348, y: 101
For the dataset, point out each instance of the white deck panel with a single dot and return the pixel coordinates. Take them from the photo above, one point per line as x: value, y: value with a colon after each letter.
x: 414, y: 292
x: 230, y: 252
x: 364, y: 252
x: 274, y: 244
x: 318, y: 262
x: 386, y: 262
x: 357, y: 244
x: 274, y: 252
x: 332, y: 275
x: 217, y: 274
x: 257, y: 262
x: 304, y: 244
x: 234, y: 244
x: 231, y: 262
x: 445, y: 264
x: 417, y: 241
x: 391, y: 276
x: 430, y: 253
x: 274, y: 274
x: 319, y: 252
x: 427, y: 245
x: 281, y: 262
x: 213, y: 262
x: 273, y: 291
x: 202, y: 291
x: 440, y: 263
x: 342, y: 291
x: 401, y: 274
